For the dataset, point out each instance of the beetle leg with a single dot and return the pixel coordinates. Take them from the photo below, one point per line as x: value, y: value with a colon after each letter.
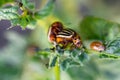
x: 72, y: 46
x: 53, y: 48
x: 65, y: 45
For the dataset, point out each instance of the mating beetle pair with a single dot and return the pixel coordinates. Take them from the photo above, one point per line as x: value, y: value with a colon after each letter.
x: 58, y: 35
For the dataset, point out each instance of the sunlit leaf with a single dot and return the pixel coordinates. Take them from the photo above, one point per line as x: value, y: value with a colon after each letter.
x: 8, y: 13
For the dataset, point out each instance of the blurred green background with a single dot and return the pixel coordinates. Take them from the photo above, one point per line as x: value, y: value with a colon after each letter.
x: 17, y: 46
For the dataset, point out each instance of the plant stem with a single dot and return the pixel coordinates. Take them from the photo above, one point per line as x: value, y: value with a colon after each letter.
x: 57, y: 71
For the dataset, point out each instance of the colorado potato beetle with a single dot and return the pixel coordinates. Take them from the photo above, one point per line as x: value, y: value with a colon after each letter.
x: 53, y: 31
x: 97, y: 46
x: 63, y: 36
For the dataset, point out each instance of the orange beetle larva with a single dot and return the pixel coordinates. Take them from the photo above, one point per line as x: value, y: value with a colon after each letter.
x: 97, y: 46
x: 58, y: 35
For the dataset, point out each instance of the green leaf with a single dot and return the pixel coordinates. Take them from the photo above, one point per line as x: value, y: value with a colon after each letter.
x: 3, y: 2
x: 30, y: 5
x: 96, y: 68
x: 97, y: 28
x: 113, y: 32
x: 20, y: 21
x: 53, y: 61
x: 79, y: 54
x: 65, y: 64
x: 73, y: 58
x: 43, y: 53
x: 113, y: 46
x: 75, y: 52
x: 24, y: 21
x: 11, y: 13
x: 47, y: 9
x: 8, y: 13
x: 83, y: 56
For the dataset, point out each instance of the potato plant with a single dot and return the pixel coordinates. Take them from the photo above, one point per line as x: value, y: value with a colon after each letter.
x: 34, y: 50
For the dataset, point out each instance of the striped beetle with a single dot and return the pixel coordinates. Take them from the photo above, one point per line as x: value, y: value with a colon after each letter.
x: 58, y: 35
